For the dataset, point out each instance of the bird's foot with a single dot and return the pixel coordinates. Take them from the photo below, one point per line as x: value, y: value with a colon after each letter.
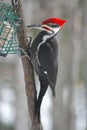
x: 28, y: 41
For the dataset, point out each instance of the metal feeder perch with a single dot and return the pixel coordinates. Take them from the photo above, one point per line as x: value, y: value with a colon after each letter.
x: 9, y: 24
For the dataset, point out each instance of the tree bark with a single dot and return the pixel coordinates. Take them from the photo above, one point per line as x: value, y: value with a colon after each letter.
x: 28, y: 70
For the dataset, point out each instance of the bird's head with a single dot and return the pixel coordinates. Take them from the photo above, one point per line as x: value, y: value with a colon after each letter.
x: 51, y: 25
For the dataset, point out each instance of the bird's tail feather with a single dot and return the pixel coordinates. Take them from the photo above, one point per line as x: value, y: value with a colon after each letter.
x: 43, y: 89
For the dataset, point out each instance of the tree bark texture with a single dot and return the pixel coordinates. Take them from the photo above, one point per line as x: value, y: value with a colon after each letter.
x: 28, y: 69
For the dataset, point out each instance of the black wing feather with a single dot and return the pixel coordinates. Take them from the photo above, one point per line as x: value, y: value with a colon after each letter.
x: 48, y: 58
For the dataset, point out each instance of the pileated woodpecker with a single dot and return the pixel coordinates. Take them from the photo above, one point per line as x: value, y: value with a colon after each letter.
x: 44, y: 56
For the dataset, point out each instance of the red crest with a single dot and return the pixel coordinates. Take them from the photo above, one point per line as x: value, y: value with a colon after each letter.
x: 58, y: 21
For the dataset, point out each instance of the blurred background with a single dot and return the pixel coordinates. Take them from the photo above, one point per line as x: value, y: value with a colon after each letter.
x: 68, y: 111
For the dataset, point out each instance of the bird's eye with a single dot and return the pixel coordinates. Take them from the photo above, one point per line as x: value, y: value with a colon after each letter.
x: 53, y: 25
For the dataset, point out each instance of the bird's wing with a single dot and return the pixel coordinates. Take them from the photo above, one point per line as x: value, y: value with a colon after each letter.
x: 48, y: 58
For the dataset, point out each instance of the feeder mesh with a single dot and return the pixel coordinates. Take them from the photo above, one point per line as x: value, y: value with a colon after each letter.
x: 8, y: 30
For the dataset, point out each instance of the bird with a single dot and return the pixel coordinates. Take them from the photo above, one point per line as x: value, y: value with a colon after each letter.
x: 44, y: 56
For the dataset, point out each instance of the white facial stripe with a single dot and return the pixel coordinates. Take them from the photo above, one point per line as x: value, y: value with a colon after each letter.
x: 45, y: 26
x: 56, y: 29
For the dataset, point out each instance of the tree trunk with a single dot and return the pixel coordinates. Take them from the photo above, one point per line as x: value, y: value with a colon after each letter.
x: 28, y: 70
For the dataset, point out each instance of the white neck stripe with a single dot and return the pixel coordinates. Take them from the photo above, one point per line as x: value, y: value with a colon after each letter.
x: 45, y: 38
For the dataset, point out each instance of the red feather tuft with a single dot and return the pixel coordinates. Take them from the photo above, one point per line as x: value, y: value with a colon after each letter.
x: 58, y: 21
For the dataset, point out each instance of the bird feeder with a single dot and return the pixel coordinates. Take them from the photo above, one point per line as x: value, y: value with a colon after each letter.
x: 9, y: 24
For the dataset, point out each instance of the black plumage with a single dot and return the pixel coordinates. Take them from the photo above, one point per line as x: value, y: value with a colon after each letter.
x: 44, y: 57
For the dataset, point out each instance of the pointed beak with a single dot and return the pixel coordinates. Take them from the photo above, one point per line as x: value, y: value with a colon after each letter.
x: 35, y: 26
x: 40, y: 26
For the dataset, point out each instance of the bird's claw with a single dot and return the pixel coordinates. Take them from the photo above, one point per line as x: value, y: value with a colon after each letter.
x: 29, y: 41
